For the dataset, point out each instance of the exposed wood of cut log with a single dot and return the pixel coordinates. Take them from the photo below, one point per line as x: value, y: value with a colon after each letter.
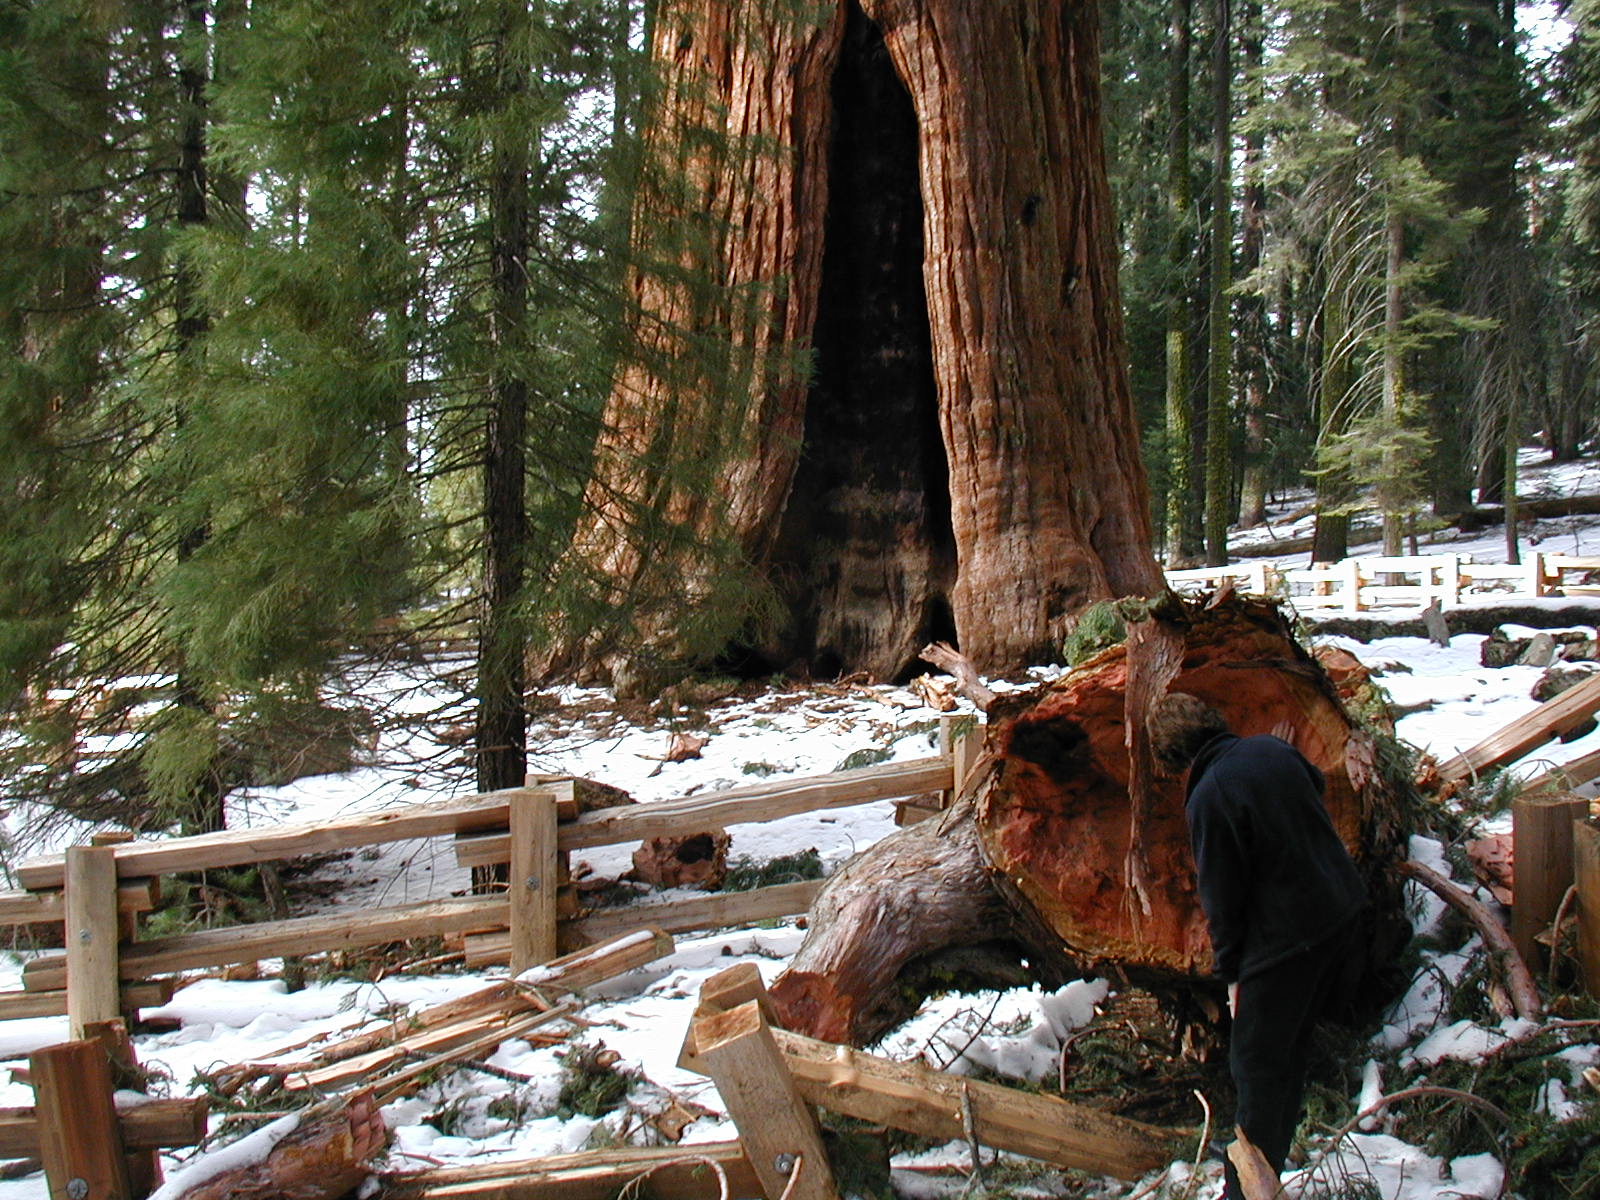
x: 322, y: 1158
x: 1057, y: 858
x: 699, y: 860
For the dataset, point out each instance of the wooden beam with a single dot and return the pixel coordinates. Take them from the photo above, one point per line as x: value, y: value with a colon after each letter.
x: 50, y: 907
x: 534, y: 870
x: 1528, y: 732
x: 728, y: 989
x: 604, y: 960
x: 1586, y: 876
x: 1541, y: 849
x: 674, y: 916
x: 918, y: 1099
x: 778, y: 1129
x: 663, y: 1173
x: 1567, y: 776
x: 476, y: 1010
x: 155, y: 1125
x: 756, y: 803
x: 724, y: 991
x: 91, y: 934
x: 736, y: 806
x: 390, y: 1087
x: 438, y: 1045
x: 133, y: 996
x: 323, y: 1157
x: 961, y: 740
x: 238, y: 847
x: 80, y: 1138
x: 299, y: 935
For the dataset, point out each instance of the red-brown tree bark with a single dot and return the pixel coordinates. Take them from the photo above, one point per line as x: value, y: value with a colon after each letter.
x: 1063, y: 855
x: 916, y: 192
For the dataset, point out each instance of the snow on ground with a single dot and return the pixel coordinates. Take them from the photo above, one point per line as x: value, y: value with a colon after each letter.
x: 1291, y: 517
x: 1450, y: 702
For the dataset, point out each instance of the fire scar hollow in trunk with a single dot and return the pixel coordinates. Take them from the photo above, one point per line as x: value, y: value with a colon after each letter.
x: 1068, y: 854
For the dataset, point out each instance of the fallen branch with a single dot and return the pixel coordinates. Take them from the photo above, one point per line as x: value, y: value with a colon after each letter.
x: 947, y: 658
x: 1411, y: 1093
x: 1524, y: 993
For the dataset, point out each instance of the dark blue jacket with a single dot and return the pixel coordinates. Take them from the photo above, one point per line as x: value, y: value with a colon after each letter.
x: 1274, y: 877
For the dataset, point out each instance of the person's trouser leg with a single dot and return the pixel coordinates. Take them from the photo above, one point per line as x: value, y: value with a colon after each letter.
x: 1271, y: 1041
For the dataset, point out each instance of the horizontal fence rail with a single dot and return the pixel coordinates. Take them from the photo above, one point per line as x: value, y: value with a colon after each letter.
x: 1400, y: 581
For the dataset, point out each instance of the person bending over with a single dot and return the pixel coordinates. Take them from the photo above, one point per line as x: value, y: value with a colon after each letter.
x: 1281, y: 897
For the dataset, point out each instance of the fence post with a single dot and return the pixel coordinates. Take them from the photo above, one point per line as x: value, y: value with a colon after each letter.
x: 533, y: 878
x: 80, y: 1141
x: 776, y: 1126
x: 1350, y: 568
x: 1541, y: 847
x: 1258, y: 578
x: 960, y: 739
x: 92, y: 929
x: 1586, y: 874
x: 1450, y: 570
x: 1535, y: 573
x: 143, y: 1166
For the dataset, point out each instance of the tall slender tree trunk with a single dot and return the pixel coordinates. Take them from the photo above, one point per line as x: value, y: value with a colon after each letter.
x: 1179, y: 417
x: 1253, y: 307
x: 1331, y: 537
x: 1393, y: 320
x: 1393, y: 372
x: 1219, y: 373
x: 1002, y: 491
x: 206, y: 808
x: 501, y: 734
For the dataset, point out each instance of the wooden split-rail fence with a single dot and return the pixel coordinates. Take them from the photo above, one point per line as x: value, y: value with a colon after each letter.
x: 98, y: 891
x: 1406, y: 581
x: 771, y: 1082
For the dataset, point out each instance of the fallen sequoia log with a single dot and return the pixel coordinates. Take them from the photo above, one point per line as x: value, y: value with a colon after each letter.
x: 1067, y: 854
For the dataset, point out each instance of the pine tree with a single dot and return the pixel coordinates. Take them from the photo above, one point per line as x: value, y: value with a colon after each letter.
x: 1363, y: 221
x: 1181, y: 533
x: 1219, y: 357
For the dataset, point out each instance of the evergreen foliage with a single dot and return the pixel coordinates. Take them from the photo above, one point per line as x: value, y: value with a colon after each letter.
x: 291, y: 285
x: 310, y: 315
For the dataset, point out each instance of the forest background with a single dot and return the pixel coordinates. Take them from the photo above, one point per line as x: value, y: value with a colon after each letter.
x: 310, y: 316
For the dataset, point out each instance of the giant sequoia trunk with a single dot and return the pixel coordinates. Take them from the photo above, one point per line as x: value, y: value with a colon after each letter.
x: 1068, y: 854
x: 914, y: 194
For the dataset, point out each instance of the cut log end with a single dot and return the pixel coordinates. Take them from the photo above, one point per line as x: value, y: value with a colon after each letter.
x: 1069, y: 857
